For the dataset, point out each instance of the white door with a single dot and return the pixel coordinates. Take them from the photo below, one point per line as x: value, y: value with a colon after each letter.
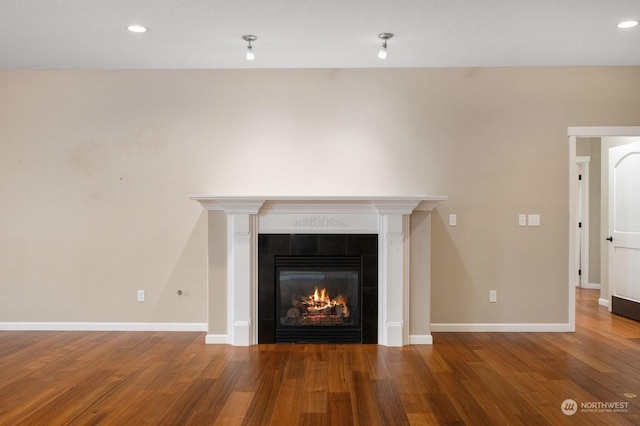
x: 624, y: 224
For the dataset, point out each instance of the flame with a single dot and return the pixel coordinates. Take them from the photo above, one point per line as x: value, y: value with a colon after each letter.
x: 341, y: 300
x: 319, y: 303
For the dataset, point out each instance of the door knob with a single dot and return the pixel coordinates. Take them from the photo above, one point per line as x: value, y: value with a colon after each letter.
x: 610, y: 239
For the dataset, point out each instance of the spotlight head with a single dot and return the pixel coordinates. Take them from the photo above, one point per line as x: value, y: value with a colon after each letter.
x: 382, y: 53
x: 250, y: 38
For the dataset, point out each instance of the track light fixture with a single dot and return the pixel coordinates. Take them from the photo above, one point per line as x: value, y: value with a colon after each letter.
x: 382, y: 53
x: 250, y: 38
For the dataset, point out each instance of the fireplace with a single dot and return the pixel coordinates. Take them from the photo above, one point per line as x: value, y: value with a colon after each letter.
x: 294, y: 222
x: 317, y: 288
x: 318, y: 299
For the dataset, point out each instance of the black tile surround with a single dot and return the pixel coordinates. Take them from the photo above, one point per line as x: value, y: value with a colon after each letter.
x: 271, y: 245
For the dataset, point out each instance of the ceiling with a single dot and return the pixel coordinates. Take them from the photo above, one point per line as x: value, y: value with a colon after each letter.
x: 206, y: 34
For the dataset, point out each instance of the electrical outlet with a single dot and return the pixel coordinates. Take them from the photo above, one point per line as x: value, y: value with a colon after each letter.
x: 522, y: 220
x: 493, y: 296
x: 140, y: 295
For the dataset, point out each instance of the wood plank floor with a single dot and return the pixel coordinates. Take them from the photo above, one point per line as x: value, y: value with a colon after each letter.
x: 135, y: 378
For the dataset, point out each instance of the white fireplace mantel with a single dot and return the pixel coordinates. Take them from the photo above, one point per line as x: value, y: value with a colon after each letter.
x: 386, y: 216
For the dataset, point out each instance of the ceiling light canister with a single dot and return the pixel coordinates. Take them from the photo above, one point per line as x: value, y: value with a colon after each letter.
x: 382, y: 53
x: 137, y: 28
x: 627, y: 24
x: 250, y: 38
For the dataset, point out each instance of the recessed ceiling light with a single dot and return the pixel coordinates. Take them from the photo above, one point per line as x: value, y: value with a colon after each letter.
x: 137, y: 29
x: 627, y: 24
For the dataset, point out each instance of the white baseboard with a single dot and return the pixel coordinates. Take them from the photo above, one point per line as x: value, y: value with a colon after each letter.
x: 216, y: 339
x: 592, y: 286
x: 421, y: 339
x: 394, y: 331
x: 491, y: 328
x: 603, y: 302
x: 103, y: 326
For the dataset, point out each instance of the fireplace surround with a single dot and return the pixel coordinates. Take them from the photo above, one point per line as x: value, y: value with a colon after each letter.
x: 319, y: 288
x: 386, y: 217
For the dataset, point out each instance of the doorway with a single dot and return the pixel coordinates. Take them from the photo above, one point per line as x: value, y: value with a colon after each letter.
x: 576, y: 133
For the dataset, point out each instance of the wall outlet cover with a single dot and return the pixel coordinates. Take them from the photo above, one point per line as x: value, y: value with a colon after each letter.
x: 522, y: 220
x: 533, y: 220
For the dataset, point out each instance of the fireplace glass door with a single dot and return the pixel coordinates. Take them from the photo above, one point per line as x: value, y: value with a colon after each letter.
x: 318, y: 299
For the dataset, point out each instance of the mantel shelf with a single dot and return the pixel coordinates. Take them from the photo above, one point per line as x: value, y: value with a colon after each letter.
x: 401, y: 204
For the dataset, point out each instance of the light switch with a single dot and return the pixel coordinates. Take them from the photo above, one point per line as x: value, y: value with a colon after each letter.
x: 140, y: 295
x: 534, y: 220
x: 453, y: 220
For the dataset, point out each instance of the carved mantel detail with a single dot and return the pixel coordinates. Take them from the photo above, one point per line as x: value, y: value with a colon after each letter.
x: 319, y: 222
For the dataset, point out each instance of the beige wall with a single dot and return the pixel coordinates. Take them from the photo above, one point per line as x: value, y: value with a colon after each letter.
x: 97, y: 167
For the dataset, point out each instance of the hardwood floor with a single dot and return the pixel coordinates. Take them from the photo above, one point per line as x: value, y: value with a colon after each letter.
x: 132, y: 378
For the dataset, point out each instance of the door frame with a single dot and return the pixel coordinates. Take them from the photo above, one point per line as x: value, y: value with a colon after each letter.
x: 574, y: 133
x: 582, y: 203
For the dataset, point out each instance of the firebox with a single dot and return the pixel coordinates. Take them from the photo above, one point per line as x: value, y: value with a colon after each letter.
x: 318, y: 299
x: 319, y: 288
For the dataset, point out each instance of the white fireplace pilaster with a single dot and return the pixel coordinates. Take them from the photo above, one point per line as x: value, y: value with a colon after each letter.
x: 386, y: 216
x: 393, y: 280
x: 242, y: 258
x: 241, y: 288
